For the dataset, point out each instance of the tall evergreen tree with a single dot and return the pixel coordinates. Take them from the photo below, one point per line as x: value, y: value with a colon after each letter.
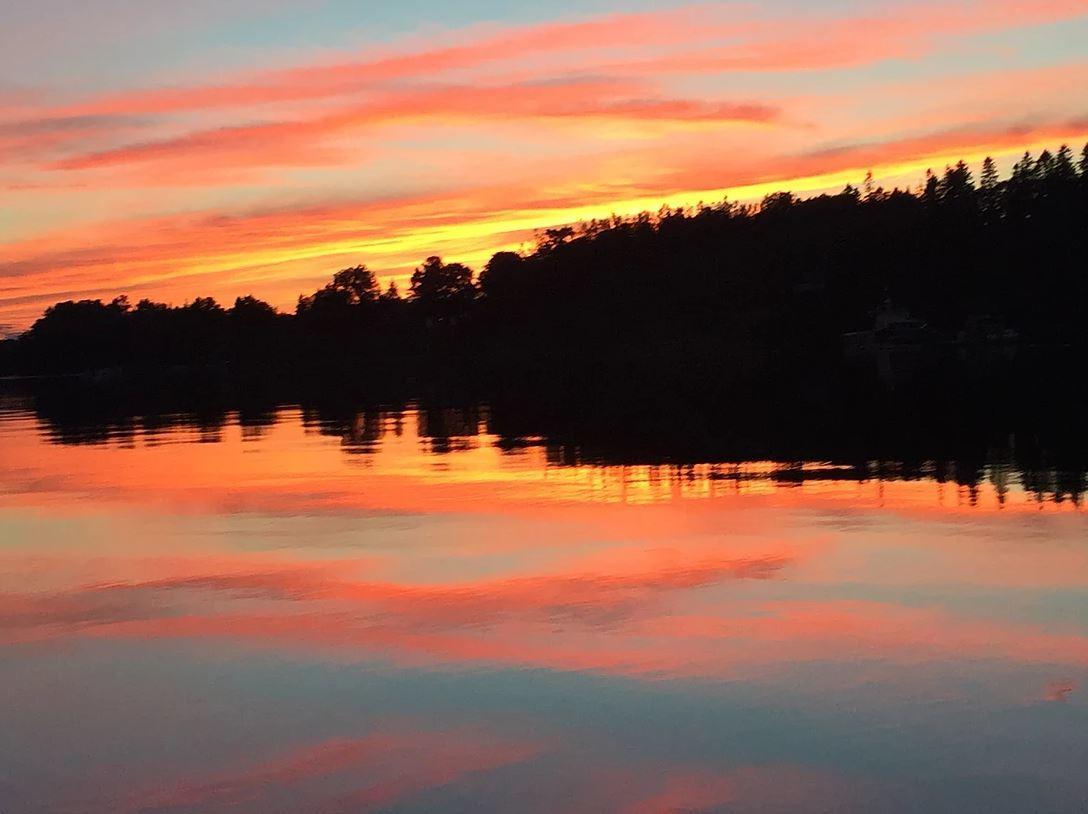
x: 1024, y: 169
x: 989, y: 196
x: 956, y: 184
x: 1064, y: 170
x: 1044, y: 167
x: 931, y: 190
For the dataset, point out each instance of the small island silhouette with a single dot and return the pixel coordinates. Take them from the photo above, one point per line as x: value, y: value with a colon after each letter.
x: 981, y: 264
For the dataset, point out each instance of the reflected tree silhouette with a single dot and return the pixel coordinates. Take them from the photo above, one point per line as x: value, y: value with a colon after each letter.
x: 954, y: 429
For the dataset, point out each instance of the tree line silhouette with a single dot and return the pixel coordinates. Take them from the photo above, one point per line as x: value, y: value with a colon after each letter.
x: 721, y: 284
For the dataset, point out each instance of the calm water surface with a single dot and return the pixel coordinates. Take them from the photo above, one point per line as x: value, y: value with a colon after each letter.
x: 405, y: 613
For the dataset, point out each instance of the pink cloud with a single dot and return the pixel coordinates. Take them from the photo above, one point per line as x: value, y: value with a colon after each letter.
x: 816, y: 41
x: 722, y: 39
x: 293, y: 142
x: 734, y: 42
x: 481, y: 47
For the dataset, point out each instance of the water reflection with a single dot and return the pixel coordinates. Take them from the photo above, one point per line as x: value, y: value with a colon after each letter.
x: 410, y: 608
x: 1015, y: 469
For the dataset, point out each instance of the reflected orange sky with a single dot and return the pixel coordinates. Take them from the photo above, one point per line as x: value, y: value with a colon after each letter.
x: 638, y: 551
x: 374, y: 616
x: 289, y: 468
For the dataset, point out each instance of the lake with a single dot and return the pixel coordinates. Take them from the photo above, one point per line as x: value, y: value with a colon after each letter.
x: 401, y: 609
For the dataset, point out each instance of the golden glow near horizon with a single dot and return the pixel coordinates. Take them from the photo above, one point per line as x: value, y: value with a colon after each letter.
x: 168, y: 184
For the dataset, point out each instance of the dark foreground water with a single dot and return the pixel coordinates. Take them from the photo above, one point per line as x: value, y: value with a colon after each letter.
x: 397, y: 610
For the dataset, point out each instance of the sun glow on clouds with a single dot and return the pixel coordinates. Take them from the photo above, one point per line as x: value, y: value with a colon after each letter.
x: 266, y: 180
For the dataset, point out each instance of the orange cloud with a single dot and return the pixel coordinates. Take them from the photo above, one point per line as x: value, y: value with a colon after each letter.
x: 288, y: 143
x: 401, y: 761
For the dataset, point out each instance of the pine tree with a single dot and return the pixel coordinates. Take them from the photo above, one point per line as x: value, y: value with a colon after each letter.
x: 1084, y: 163
x: 956, y: 183
x: 1024, y: 169
x: 1044, y: 167
x: 1063, y: 164
x: 930, y: 193
x: 989, y: 197
x: 392, y: 293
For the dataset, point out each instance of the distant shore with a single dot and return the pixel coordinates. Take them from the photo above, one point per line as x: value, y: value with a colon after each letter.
x: 988, y: 265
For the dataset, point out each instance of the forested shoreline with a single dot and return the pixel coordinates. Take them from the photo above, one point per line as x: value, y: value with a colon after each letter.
x: 719, y: 284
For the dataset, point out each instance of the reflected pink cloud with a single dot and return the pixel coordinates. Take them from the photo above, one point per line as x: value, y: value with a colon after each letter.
x: 338, y: 775
x: 771, y: 789
x: 686, y: 792
x: 583, y: 600
x: 639, y: 571
x: 1058, y: 692
x: 340, y: 567
x: 551, y: 621
x: 399, y: 763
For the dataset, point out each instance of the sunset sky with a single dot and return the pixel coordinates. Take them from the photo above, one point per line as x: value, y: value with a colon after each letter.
x: 227, y: 147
